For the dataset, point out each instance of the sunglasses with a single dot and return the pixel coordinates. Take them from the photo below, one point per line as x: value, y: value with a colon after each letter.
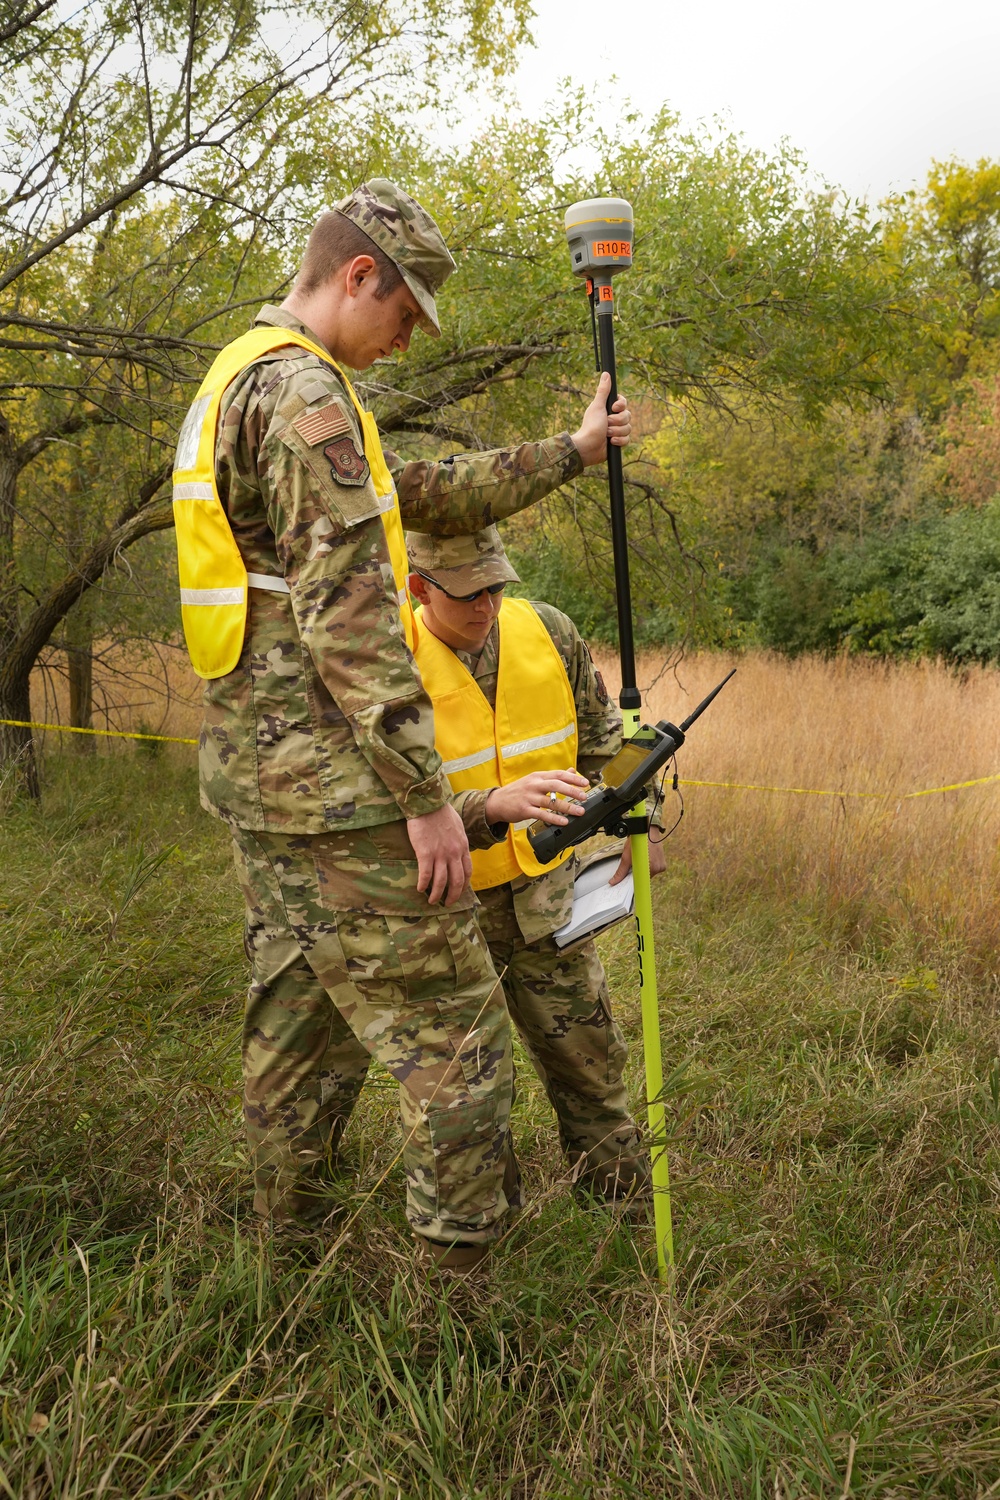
x: 491, y: 588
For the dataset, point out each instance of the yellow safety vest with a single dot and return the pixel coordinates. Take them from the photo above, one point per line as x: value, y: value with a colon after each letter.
x: 532, y: 729
x: 213, y: 577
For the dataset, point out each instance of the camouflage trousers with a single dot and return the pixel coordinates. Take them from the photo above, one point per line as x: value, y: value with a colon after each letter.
x: 560, y: 1004
x: 349, y: 961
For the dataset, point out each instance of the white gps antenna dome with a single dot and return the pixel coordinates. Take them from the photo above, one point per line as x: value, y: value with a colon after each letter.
x: 599, y: 232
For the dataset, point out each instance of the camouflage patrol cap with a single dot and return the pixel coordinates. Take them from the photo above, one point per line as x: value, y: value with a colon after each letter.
x: 408, y: 235
x: 461, y: 564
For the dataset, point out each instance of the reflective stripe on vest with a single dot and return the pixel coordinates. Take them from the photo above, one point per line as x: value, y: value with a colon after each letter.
x: 533, y: 727
x: 213, y: 576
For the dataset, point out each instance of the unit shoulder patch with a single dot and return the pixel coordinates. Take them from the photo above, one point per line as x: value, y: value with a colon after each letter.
x: 347, y: 464
x: 318, y: 426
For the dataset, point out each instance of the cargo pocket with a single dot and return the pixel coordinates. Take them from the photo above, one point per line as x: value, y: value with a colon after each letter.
x: 469, y: 1150
x: 476, y: 1014
x: 469, y: 952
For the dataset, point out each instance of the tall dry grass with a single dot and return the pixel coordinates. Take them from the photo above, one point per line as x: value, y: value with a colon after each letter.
x: 875, y: 860
x: 148, y: 689
x: 878, y: 864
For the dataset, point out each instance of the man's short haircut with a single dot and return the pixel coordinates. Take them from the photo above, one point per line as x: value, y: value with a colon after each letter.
x: 335, y: 240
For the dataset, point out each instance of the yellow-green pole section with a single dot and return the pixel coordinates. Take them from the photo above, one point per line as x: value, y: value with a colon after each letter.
x: 649, y: 999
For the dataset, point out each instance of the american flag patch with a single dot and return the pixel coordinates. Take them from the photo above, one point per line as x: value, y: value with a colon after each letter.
x: 320, y: 426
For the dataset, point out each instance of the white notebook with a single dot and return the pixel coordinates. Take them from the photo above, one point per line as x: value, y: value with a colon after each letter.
x: 596, y: 904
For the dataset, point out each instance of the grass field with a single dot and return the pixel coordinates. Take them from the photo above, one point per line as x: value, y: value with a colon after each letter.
x: 829, y: 1002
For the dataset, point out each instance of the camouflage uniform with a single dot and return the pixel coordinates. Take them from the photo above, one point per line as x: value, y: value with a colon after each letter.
x: 558, y: 1000
x: 325, y: 723
x: 316, y: 747
x: 335, y: 981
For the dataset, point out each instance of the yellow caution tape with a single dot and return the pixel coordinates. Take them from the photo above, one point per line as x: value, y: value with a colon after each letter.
x: 808, y: 791
x: 802, y: 791
x: 117, y: 734
x: 732, y: 786
x: 956, y: 786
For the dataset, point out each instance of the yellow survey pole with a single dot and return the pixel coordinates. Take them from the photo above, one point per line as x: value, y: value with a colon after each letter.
x: 649, y: 999
x: 600, y: 232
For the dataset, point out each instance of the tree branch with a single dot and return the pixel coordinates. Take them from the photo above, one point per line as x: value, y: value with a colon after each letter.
x: 411, y: 408
x: 20, y: 18
x: 39, y: 441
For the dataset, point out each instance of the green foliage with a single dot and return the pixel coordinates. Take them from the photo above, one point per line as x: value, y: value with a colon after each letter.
x: 944, y: 241
x: 747, y: 287
x: 930, y: 588
x: 745, y: 280
x: 842, y: 533
x: 806, y: 518
x: 788, y: 600
x: 550, y: 571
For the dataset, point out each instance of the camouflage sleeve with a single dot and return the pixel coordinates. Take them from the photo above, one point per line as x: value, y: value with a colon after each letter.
x: 471, y: 806
x: 327, y: 524
x: 471, y: 490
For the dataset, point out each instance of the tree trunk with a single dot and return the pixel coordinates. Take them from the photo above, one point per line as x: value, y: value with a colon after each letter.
x: 19, y: 653
x: 80, y: 664
x: 78, y: 635
x: 18, y: 771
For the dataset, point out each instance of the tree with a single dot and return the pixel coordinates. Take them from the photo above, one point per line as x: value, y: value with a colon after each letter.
x: 944, y: 241
x: 793, y: 511
x: 746, y: 288
x: 156, y: 163
x: 972, y: 458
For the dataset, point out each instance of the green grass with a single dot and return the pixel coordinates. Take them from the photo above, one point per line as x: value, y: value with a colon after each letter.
x: 835, y: 1324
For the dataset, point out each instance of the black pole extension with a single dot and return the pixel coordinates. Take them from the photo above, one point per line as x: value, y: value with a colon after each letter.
x: 599, y: 232
x: 629, y: 696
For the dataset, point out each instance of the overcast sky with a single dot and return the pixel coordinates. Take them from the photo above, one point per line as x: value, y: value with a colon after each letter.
x: 870, y: 90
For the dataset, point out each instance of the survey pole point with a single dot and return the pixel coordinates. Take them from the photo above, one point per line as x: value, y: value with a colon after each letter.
x: 600, y: 234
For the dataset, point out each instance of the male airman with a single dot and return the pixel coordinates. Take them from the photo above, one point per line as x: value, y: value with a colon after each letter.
x: 318, y: 744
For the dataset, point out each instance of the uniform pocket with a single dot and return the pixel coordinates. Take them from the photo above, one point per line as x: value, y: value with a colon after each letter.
x: 470, y: 954
x: 363, y: 871
x: 469, y: 1150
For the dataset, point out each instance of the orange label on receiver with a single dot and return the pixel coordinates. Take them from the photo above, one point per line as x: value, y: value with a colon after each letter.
x: 607, y: 295
x: 614, y: 248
